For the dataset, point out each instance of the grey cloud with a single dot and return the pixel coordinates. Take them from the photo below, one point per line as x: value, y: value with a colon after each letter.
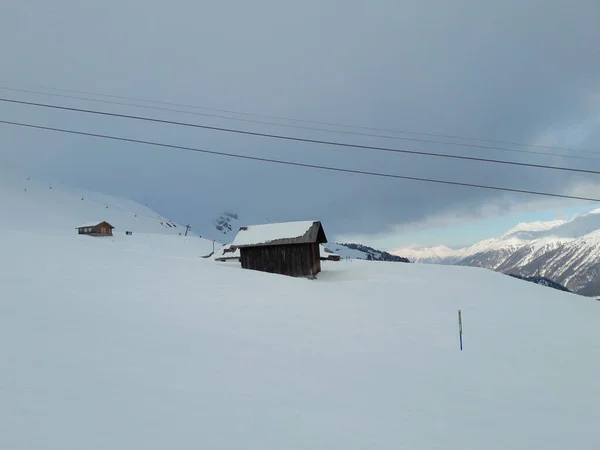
x: 499, y: 70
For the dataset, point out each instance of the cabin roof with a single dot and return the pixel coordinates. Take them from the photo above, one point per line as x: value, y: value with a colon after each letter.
x: 94, y: 224
x: 227, y: 251
x: 303, y: 232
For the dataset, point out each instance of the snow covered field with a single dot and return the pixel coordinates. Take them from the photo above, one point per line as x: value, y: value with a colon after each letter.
x: 106, y: 346
x: 135, y: 342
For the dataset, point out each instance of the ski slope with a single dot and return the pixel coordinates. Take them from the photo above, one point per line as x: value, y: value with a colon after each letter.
x: 106, y: 344
x: 31, y: 205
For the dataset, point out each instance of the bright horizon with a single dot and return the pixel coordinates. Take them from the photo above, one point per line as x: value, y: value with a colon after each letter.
x: 464, y: 234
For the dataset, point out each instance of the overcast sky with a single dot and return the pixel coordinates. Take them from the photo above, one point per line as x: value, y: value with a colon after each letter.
x: 514, y: 71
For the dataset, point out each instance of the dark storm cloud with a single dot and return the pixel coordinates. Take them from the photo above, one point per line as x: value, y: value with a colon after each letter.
x: 509, y: 70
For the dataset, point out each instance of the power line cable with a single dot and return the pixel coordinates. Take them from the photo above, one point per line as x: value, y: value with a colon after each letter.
x: 387, y: 130
x: 353, y: 133
x: 297, y: 164
x: 305, y: 140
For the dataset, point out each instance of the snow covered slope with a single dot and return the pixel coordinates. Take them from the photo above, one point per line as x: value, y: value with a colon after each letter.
x: 360, y: 251
x: 29, y: 205
x: 108, y: 346
x: 566, y: 252
x: 134, y: 342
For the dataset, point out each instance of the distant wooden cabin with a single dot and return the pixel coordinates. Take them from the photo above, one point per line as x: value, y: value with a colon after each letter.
x: 328, y: 254
x: 228, y: 253
x: 290, y: 248
x: 96, y: 229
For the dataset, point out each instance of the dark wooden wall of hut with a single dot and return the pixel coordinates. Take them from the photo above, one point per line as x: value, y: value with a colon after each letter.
x: 103, y: 230
x: 296, y: 260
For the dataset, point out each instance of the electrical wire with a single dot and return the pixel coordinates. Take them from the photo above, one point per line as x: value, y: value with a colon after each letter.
x: 298, y: 139
x: 303, y: 165
x: 352, y: 133
x: 229, y: 111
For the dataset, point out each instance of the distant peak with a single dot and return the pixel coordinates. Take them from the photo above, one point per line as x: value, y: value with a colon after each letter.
x: 415, y: 253
x: 534, y: 226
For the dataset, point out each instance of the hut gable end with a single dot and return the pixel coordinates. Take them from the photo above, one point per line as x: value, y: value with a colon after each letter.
x: 290, y: 248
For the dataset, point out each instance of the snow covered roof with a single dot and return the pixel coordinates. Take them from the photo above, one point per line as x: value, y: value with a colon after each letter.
x: 94, y: 224
x: 227, y: 251
x: 327, y: 250
x: 304, y: 232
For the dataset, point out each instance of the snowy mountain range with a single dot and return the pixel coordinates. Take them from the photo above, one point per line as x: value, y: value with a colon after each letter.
x: 565, y: 252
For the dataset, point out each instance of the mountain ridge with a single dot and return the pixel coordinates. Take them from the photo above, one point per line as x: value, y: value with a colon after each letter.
x: 566, y: 252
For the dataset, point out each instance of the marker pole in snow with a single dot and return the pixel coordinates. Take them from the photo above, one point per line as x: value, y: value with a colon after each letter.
x: 460, y: 328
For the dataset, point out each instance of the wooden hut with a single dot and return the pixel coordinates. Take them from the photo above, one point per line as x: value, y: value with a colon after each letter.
x: 96, y: 229
x: 290, y: 248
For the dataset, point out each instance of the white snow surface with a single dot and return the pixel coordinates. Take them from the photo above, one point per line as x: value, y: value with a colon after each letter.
x: 31, y: 205
x: 134, y: 342
x: 107, y: 346
x: 262, y: 234
x: 345, y: 252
